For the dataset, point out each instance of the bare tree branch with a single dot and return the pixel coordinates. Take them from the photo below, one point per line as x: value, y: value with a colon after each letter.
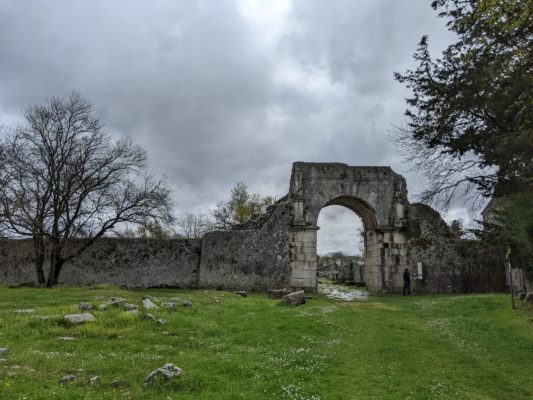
x: 64, y: 179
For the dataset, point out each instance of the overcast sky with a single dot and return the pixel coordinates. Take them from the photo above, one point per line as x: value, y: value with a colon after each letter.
x: 219, y: 91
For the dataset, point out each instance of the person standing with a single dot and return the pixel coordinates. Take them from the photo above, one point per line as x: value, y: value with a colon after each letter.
x: 406, y: 282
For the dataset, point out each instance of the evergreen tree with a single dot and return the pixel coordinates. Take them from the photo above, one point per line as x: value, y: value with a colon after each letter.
x: 470, y: 115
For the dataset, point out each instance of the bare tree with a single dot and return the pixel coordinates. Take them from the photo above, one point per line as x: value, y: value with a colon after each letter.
x: 195, y: 225
x: 447, y: 177
x: 64, y: 178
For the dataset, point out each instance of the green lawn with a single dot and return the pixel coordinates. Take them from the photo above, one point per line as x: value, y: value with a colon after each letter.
x: 229, y: 347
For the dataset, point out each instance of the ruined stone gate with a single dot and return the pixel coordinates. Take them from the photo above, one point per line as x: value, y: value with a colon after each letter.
x: 376, y: 194
x: 278, y: 250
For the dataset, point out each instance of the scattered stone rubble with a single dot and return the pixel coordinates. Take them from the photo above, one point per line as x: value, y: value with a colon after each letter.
x: 149, y: 317
x: 85, y: 307
x: 170, y: 306
x: 166, y: 372
x: 112, y: 302
x: 67, y: 379
x: 147, y: 302
x: 181, y: 302
x: 25, y: 311
x: 117, y: 383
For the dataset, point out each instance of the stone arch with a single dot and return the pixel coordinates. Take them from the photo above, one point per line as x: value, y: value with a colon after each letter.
x: 362, y: 209
x: 376, y: 194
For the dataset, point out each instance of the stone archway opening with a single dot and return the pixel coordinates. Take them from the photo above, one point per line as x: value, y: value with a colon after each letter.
x: 340, y: 231
x: 371, y: 254
x: 340, y: 245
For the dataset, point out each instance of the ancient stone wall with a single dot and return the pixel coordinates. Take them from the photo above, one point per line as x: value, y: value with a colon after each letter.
x: 449, y: 264
x: 250, y: 259
x: 278, y: 249
x: 125, y: 262
x: 521, y: 281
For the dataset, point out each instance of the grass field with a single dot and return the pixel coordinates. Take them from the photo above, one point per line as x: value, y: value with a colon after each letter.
x: 229, y: 347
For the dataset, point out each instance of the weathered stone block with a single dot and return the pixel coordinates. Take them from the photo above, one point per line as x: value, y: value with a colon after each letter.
x: 302, y: 283
x: 149, y: 304
x: 295, y: 298
x: 398, y: 237
x: 77, y: 319
x: 166, y: 372
x: 303, y: 273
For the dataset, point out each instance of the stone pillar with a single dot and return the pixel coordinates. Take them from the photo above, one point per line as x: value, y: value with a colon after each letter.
x: 372, y: 255
x: 298, y: 212
x: 385, y: 260
x: 303, y: 259
x: 391, y: 245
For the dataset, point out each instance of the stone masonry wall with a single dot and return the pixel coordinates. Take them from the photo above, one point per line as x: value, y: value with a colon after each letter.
x: 449, y: 265
x: 250, y: 259
x: 253, y: 259
x: 257, y: 258
x: 118, y: 261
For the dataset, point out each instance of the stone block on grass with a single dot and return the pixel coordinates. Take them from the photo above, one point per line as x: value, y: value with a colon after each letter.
x: 84, y: 307
x: 166, y: 372
x: 169, y: 305
x: 67, y: 379
x: 295, y: 298
x: 181, y: 302
x: 148, y: 304
x: 76, y: 319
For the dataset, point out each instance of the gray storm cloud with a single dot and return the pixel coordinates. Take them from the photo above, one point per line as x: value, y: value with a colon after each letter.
x: 224, y: 91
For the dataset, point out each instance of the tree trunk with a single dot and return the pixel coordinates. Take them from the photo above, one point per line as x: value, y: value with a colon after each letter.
x: 55, y: 270
x: 38, y: 251
x: 56, y: 264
